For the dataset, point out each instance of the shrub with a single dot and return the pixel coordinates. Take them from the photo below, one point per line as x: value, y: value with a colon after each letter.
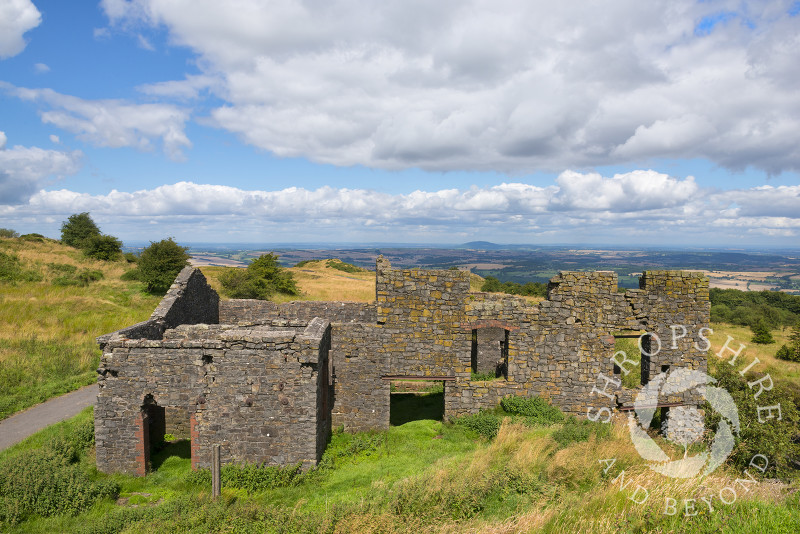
x: 531, y: 289
x: 536, y: 409
x: 38, y: 238
x: 8, y: 232
x: 11, y: 270
x: 484, y: 423
x: 761, y: 334
x: 62, y: 268
x: 575, y: 431
x: 50, y: 481
x: 82, y: 278
x: 133, y: 274
x: 482, y: 376
x: 263, y: 278
x: 102, y: 247
x: 77, y: 229
x: 791, y: 352
x: 130, y: 257
x: 778, y: 440
x: 249, y: 477
x: 342, y: 266
x: 160, y: 263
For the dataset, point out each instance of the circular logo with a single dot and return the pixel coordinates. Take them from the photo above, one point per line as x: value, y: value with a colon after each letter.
x: 684, y: 424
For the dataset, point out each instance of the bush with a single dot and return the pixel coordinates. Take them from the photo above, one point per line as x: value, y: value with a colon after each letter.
x: 791, y: 352
x: 160, y: 263
x: 37, y: 238
x: 575, y: 431
x: 130, y: 257
x: 536, y: 409
x: 77, y: 229
x: 530, y: 289
x: 102, y: 247
x: 82, y: 278
x: 11, y: 270
x: 249, y: 477
x: 8, y: 232
x: 778, y: 440
x: 342, y: 266
x: 263, y: 278
x: 62, y: 268
x: 484, y: 423
x: 50, y: 481
x: 478, y: 377
x: 132, y: 275
x: 761, y: 334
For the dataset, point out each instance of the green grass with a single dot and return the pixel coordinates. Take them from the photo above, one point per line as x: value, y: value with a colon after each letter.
x: 421, y: 476
x: 631, y: 348
x: 48, y: 327
x: 35, y: 370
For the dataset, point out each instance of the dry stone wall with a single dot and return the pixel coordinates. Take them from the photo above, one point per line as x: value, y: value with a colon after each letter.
x: 267, y: 381
x: 260, y: 392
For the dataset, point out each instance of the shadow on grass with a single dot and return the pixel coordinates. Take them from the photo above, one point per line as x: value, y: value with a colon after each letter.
x: 181, y: 448
x: 407, y: 407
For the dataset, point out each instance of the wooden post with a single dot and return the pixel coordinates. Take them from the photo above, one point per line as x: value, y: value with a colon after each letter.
x: 216, y: 479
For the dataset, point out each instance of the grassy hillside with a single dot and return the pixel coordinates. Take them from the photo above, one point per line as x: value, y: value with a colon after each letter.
x: 317, y: 280
x: 50, y: 315
x: 421, y: 476
x: 424, y: 476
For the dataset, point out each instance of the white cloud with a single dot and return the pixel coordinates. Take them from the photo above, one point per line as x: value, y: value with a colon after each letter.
x: 55, y: 139
x: 113, y: 123
x: 16, y: 18
x: 41, y: 68
x: 641, y: 206
x: 629, y: 192
x: 24, y: 170
x: 503, y: 85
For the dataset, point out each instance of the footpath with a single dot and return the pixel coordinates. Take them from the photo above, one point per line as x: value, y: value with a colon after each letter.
x: 21, y: 425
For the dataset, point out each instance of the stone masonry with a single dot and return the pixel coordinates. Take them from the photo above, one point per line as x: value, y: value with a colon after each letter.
x: 268, y: 381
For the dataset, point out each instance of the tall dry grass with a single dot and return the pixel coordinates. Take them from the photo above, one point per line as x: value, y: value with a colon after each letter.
x: 47, y: 331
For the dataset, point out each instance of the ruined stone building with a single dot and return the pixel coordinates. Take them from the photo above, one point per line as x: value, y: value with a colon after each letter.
x: 268, y: 381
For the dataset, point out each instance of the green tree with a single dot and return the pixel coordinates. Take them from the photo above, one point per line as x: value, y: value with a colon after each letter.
x: 791, y: 351
x: 160, y: 263
x: 103, y: 247
x: 77, y: 229
x: 8, y: 232
x: 761, y: 334
x: 263, y: 278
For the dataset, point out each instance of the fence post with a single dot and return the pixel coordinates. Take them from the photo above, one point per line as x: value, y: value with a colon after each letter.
x: 216, y: 482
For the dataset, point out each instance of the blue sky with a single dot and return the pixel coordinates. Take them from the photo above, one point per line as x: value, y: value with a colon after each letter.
x: 627, y: 123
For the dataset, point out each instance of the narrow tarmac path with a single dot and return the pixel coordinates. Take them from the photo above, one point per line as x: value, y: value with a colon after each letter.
x: 21, y: 425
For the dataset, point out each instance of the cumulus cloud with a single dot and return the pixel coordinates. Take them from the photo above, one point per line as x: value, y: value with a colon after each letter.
x: 41, y: 68
x: 24, y: 170
x: 113, y: 123
x: 16, y: 18
x: 508, y: 85
x: 633, y: 191
x: 623, y: 207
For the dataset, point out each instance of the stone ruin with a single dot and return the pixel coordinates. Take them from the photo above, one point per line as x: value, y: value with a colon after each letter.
x: 269, y: 381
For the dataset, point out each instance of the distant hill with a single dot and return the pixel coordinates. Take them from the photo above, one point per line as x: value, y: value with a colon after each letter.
x: 483, y: 245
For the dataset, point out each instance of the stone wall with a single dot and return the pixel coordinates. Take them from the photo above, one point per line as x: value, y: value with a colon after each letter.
x: 190, y: 300
x: 270, y: 380
x: 260, y: 392
x: 248, y: 311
